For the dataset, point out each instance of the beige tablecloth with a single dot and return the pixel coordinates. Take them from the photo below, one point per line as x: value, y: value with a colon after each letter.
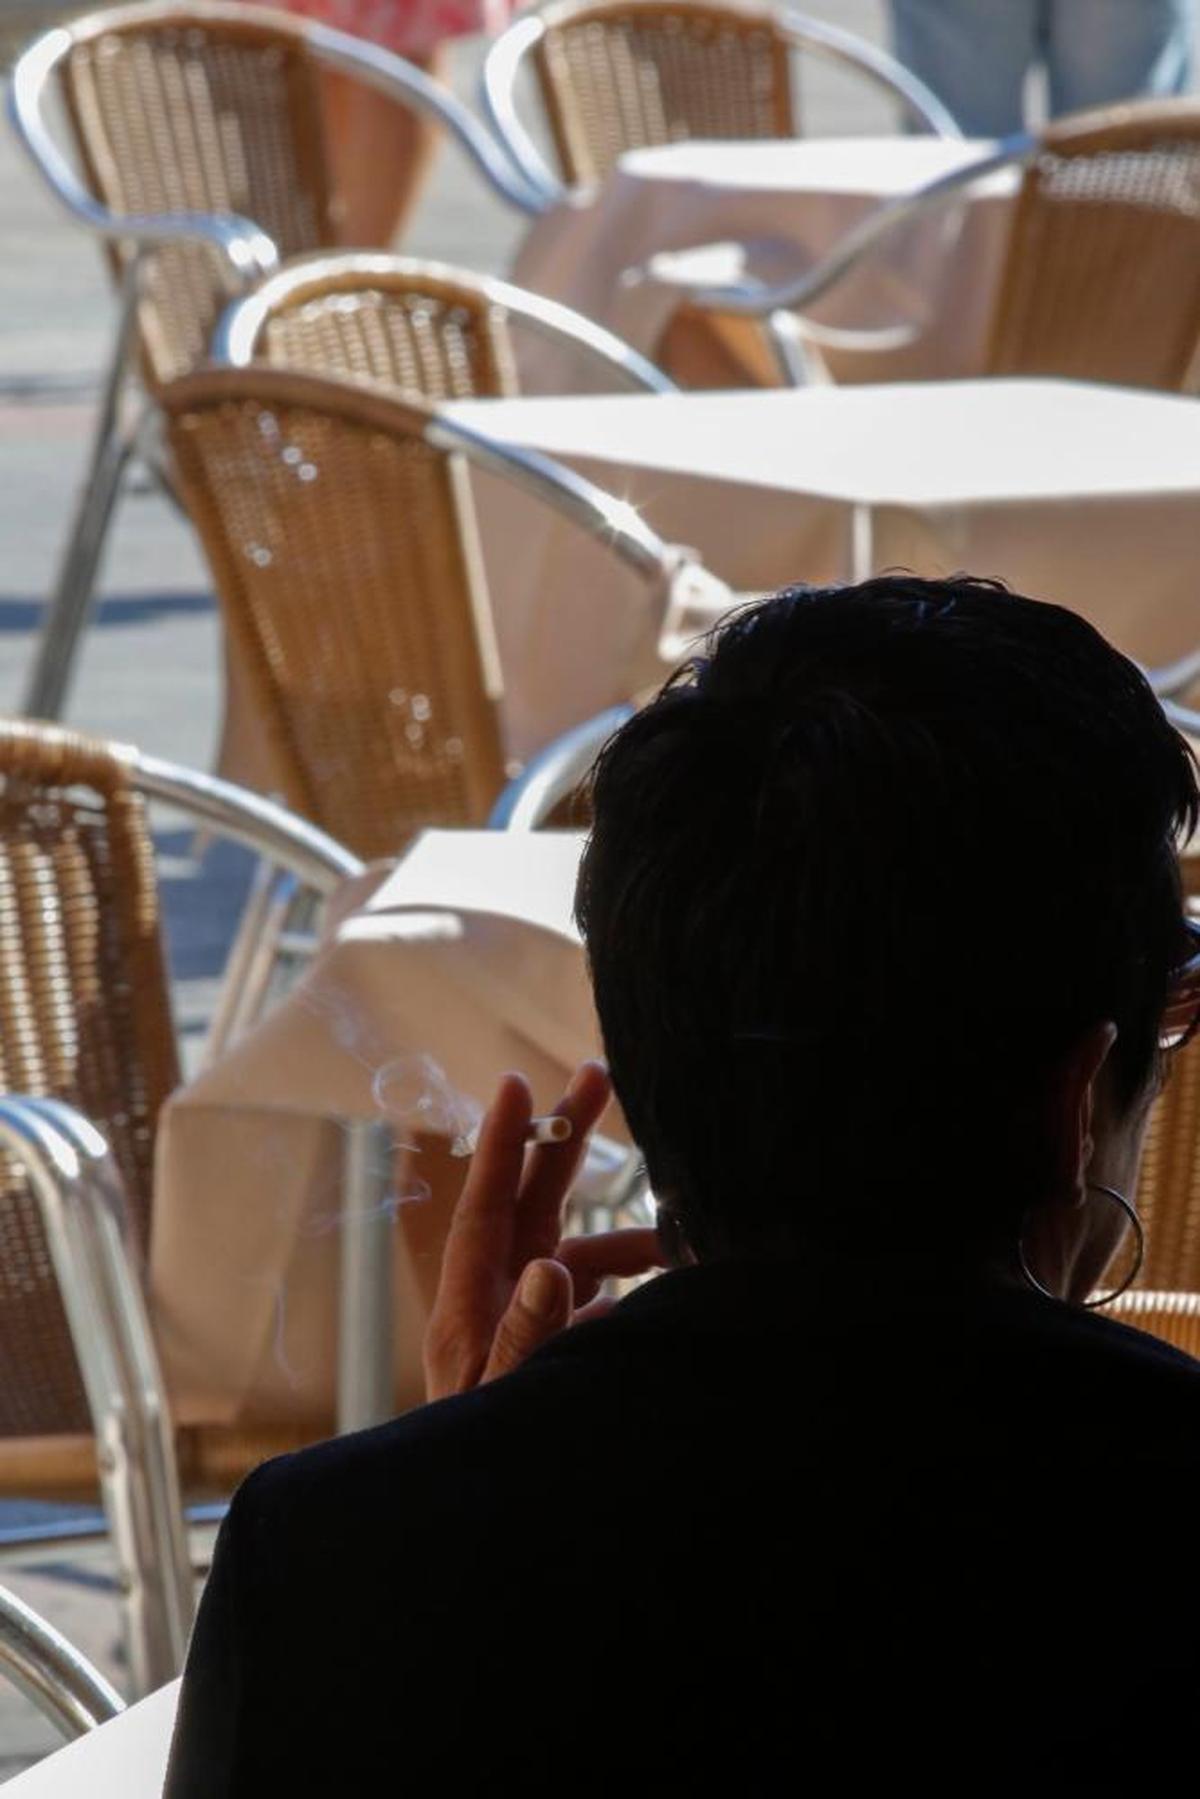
x: 1086, y: 495
x: 124, y: 1759
x: 462, y: 964
x: 789, y: 203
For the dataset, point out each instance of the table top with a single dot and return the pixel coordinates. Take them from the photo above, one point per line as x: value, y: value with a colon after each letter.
x: 125, y: 1759
x: 871, y: 167
x: 913, y: 444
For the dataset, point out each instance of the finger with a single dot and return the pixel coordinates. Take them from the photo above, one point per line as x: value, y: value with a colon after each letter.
x: 608, y: 1255
x: 540, y: 1308
x: 478, y: 1248
x: 552, y: 1168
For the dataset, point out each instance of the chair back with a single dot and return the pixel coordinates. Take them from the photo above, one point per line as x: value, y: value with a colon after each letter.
x: 1102, y: 276
x: 342, y: 547
x: 419, y: 327
x: 206, y: 109
x: 51, y: 1672
x: 633, y: 73
x: 84, y: 1017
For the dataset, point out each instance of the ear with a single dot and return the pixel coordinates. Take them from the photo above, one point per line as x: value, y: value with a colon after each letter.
x: 1073, y: 1108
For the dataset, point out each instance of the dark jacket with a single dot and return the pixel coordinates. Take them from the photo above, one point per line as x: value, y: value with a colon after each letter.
x: 756, y: 1532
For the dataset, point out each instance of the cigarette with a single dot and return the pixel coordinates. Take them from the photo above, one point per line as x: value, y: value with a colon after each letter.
x: 551, y: 1129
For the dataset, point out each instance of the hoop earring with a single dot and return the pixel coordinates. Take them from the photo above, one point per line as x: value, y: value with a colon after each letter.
x: 1139, y: 1255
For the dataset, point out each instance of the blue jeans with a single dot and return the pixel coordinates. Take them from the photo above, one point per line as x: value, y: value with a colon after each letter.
x: 975, y: 54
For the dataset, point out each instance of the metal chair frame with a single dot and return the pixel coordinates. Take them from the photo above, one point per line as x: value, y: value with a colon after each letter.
x: 51, y: 1672
x: 238, y: 336
x: 85, y: 1216
x: 512, y: 49
x: 248, y: 251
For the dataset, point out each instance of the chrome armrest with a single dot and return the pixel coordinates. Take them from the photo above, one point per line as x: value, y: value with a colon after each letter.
x: 616, y: 522
x: 754, y: 299
x: 249, y: 252
x: 50, y: 1671
x: 281, y: 837
x: 878, y: 67
x: 554, y: 773
x: 1175, y: 677
x: 565, y: 325
x: 496, y: 93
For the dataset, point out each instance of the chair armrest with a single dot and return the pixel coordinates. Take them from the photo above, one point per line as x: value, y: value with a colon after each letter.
x: 317, y: 860
x: 51, y: 1672
x: 554, y: 773
x: 1175, y: 678
x: 496, y: 93
x: 400, y: 80
x: 757, y: 299
x: 878, y: 66
x: 248, y: 250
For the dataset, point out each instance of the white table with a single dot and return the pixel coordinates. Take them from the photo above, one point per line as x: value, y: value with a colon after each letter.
x: 1086, y: 495
x: 465, y: 962
x: 791, y: 202
x: 124, y: 1759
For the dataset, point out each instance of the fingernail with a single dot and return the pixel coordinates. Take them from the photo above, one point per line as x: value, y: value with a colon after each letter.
x: 539, y: 1289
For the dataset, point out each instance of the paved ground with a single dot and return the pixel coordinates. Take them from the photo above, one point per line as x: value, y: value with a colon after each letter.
x: 149, y: 671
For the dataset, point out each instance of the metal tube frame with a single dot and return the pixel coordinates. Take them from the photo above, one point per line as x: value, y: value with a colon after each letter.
x: 51, y: 1672
x: 554, y: 773
x: 240, y: 328
x: 366, y: 1324
x: 507, y: 55
x: 85, y: 1217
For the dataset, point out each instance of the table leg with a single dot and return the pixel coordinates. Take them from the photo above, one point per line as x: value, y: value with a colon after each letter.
x: 365, y: 1321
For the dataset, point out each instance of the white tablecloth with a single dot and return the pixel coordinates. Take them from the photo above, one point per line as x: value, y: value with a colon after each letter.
x: 124, y: 1759
x: 791, y: 202
x: 1086, y: 495
x: 463, y: 964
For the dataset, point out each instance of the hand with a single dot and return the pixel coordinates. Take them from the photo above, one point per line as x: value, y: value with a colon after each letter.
x: 509, y: 1279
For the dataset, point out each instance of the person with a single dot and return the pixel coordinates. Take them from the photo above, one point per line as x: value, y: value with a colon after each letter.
x: 884, y: 921
x: 977, y: 54
x: 381, y: 151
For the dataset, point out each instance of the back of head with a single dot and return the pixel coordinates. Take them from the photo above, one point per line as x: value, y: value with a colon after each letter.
x: 858, y: 876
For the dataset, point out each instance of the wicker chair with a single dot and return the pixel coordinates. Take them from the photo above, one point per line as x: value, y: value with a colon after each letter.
x: 624, y: 74
x: 199, y: 142
x: 338, y: 524
x: 422, y: 328
x: 1101, y: 277
x: 87, y: 1057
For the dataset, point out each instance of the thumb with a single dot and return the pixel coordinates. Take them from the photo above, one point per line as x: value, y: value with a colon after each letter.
x: 539, y: 1309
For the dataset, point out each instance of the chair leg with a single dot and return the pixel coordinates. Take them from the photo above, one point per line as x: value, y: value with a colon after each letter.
x: 70, y: 602
x: 83, y: 1211
x: 252, y: 958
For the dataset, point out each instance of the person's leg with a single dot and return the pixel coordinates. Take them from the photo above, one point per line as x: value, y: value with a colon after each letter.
x: 974, y: 54
x: 381, y: 154
x: 1105, y: 50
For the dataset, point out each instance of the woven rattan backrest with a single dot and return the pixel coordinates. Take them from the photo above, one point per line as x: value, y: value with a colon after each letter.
x: 639, y: 72
x: 181, y: 113
x: 1102, y: 277
x: 339, y: 541
x: 421, y: 333
x: 84, y: 1017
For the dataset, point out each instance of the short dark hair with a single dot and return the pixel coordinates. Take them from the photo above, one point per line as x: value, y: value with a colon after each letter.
x: 857, y: 876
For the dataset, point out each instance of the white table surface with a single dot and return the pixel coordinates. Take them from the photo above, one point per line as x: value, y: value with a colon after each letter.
x: 1086, y: 495
x: 124, y: 1759
x: 872, y: 168
x: 902, y: 444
